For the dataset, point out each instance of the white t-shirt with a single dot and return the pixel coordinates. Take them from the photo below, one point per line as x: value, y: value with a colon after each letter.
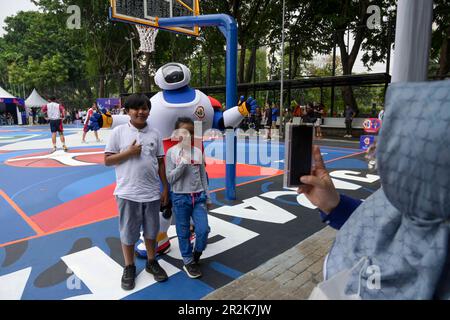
x: 137, y: 178
x: 54, y: 110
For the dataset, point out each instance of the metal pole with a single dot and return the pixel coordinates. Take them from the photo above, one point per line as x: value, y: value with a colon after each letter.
x: 412, y: 40
x: 334, y: 74
x: 282, y: 75
x: 132, y: 63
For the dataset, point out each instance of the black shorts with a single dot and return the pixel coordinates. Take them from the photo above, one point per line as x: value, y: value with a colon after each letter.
x: 56, y: 126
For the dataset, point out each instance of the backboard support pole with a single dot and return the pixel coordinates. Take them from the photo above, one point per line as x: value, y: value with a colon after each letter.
x: 228, y: 26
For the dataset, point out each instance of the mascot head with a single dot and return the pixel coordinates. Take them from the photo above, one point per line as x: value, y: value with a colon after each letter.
x: 172, y: 76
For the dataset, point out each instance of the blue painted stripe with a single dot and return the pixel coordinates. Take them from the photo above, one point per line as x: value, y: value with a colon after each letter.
x: 232, y: 273
x: 12, y: 226
x: 87, y: 185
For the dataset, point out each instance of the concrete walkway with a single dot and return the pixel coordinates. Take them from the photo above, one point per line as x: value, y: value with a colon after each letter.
x: 290, y: 276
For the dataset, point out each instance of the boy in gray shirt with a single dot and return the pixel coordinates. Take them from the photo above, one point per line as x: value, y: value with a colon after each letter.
x: 186, y: 174
x: 137, y: 153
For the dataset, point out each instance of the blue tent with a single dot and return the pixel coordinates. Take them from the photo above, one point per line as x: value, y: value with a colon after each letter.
x: 10, y: 104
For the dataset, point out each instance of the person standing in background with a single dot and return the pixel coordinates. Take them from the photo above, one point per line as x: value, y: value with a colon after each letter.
x: 54, y: 112
x: 349, y: 114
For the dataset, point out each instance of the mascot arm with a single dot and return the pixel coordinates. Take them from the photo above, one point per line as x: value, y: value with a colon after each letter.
x: 118, y: 120
x: 218, y: 122
x: 106, y: 120
x: 233, y: 117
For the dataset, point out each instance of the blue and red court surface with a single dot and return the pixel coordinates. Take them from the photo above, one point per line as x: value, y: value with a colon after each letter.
x: 58, y: 219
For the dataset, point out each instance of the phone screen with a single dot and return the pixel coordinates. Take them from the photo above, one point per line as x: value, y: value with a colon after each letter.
x: 300, y: 153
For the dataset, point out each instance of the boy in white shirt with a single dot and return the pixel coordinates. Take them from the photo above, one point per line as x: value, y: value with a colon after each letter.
x: 137, y: 152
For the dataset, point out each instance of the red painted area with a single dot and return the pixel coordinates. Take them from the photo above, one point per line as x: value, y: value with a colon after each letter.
x: 37, y: 163
x: 92, y: 158
x: 53, y: 163
x: 81, y: 211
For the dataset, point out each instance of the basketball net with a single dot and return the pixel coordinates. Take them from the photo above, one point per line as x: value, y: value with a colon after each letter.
x: 147, y: 37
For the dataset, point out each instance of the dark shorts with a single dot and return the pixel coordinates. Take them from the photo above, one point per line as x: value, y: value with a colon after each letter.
x: 56, y: 126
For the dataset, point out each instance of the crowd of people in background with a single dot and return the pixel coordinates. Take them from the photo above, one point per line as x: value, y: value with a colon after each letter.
x: 265, y: 117
x: 268, y: 117
x: 6, y: 119
x: 35, y: 116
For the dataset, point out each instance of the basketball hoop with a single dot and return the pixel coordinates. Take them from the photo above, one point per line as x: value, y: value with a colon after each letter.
x: 147, y: 37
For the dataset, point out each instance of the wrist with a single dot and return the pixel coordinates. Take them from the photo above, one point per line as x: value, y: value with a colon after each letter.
x: 333, y: 204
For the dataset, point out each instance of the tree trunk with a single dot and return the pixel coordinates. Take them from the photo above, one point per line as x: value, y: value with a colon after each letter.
x: 348, y: 60
x: 251, y: 65
x: 145, y: 73
x: 242, y: 63
x: 209, y: 70
x: 122, y: 83
x: 296, y: 60
x: 444, y: 59
x: 101, y: 87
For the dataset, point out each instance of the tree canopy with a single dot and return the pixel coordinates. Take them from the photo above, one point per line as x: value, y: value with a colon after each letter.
x: 39, y: 50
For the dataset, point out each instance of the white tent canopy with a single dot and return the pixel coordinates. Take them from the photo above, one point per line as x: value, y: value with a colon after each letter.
x: 5, y: 94
x: 35, y: 100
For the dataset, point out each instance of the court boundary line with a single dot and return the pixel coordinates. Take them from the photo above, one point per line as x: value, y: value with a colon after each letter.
x: 33, y: 225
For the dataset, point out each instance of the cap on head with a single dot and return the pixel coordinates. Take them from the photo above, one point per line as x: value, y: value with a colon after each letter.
x: 172, y: 76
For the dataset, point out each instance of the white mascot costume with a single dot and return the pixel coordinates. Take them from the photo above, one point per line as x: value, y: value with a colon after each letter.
x: 177, y: 100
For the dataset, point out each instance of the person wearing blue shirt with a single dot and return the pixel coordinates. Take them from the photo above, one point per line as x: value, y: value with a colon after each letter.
x: 275, y: 114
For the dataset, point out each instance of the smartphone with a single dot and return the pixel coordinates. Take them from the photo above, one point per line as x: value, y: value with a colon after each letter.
x: 298, y: 153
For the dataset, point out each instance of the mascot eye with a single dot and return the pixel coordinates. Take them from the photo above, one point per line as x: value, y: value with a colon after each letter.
x: 173, y: 74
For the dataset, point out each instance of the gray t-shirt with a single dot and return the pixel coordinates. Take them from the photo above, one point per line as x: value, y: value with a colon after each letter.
x: 137, y: 178
x: 186, y: 172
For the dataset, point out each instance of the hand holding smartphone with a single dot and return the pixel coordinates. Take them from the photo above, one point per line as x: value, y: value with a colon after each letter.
x: 298, y: 153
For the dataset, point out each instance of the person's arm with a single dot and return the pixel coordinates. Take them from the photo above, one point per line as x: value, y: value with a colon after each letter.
x: 112, y: 159
x: 339, y: 215
x: 62, y: 111
x: 319, y: 189
x: 44, y: 111
x: 204, y: 180
x: 174, y: 171
x: 162, y: 176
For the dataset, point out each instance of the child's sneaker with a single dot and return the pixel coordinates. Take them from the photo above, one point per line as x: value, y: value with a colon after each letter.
x: 65, y: 148
x: 155, y: 269
x: 193, y: 271
x: 128, y: 277
x: 54, y: 149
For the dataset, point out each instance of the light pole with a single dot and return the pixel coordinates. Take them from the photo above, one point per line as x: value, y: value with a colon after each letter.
x: 132, y: 58
x: 282, y: 74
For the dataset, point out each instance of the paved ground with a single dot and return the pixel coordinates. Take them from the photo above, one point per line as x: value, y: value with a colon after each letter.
x: 63, y: 202
x: 290, y: 276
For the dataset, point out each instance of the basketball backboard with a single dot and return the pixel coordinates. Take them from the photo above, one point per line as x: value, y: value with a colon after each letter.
x: 147, y: 12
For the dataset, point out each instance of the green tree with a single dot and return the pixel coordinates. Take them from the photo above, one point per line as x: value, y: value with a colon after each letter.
x: 38, y: 52
x: 440, y: 49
